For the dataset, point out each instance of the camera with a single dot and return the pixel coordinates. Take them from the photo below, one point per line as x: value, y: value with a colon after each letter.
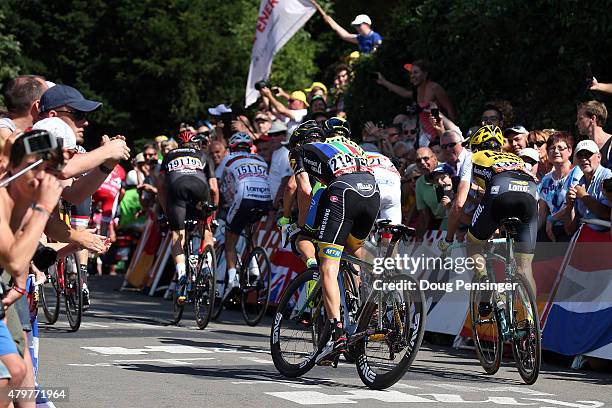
x: 261, y: 84
x: 48, y: 146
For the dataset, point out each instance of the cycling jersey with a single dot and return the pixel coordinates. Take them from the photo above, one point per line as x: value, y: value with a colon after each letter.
x: 389, y: 183
x: 108, y: 193
x: 245, y: 185
x: 187, y: 173
x: 487, y: 163
x: 326, y: 161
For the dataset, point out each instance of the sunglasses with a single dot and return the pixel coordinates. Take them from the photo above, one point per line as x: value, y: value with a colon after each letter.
x: 77, y: 115
x: 448, y: 145
x: 410, y: 132
x: 584, y: 154
x: 539, y: 143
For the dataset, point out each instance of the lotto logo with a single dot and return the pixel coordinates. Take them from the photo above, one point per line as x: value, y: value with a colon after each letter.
x: 522, y: 189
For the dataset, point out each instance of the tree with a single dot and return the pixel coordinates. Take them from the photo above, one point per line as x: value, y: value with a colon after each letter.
x: 10, y: 52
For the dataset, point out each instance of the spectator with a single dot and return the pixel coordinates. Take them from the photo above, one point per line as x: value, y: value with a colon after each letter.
x: 591, y: 117
x: 453, y: 152
x: 294, y: 113
x: 404, y: 154
x: 443, y: 179
x: 600, y: 87
x: 435, y: 147
x: 497, y: 113
x: 366, y: 38
x: 316, y: 89
x: 410, y: 131
x: 427, y: 91
x: 280, y: 169
x: 263, y: 148
x: 159, y: 140
x: 393, y: 133
x: 319, y: 117
x: 531, y: 157
x: 409, y: 212
x: 168, y: 145
x: 554, y: 186
x: 218, y: 151
x: 262, y: 124
x: 586, y: 199
x: 537, y: 139
x: 430, y: 211
x: 318, y: 104
x: 341, y: 81
x: 516, y: 138
x: 131, y: 214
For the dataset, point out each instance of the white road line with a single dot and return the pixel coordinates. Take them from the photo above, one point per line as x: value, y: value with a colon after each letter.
x: 172, y: 361
x: 257, y: 360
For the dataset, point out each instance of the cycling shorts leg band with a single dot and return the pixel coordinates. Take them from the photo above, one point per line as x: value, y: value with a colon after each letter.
x: 330, y: 251
x: 353, y: 242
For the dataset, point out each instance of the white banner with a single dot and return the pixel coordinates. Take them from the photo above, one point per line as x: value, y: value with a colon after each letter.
x: 278, y: 21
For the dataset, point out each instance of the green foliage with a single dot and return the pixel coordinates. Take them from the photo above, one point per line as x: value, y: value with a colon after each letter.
x: 10, y: 51
x: 530, y: 52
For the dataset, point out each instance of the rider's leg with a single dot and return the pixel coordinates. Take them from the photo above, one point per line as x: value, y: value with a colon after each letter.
x: 307, y: 250
x: 329, y: 265
x: 523, y: 264
x: 231, y: 256
x: 178, y: 243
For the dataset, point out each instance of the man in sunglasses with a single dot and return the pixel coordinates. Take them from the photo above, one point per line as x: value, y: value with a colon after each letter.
x: 586, y: 199
x: 453, y: 151
x: 428, y: 206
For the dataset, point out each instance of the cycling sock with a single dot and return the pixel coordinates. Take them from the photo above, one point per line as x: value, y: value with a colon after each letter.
x: 180, y: 270
x: 231, y: 274
x: 311, y: 263
x: 338, y: 328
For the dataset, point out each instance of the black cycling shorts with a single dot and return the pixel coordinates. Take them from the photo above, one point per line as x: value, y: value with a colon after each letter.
x: 184, y: 194
x: 80, y: 214
x: 239, y: 214
x: 510, y: 194
x: 346, y: 213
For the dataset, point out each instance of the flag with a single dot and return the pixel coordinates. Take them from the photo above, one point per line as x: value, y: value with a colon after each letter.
x: 278, y: 21
x: 580, y: 316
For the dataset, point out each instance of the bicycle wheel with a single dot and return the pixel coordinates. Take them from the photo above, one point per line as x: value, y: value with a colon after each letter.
x: 384, y: 354
x: 255, y: 280
x: 300, y: 327
x: 73, y: 292
x: 486, y: 333
x: 50, y: 294
x: 526, y: 344
x: 220, y: 283
x: 352, y: 301
x: 204, y: 294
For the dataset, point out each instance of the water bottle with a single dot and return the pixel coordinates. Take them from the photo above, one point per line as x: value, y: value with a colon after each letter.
x: 500, y: 315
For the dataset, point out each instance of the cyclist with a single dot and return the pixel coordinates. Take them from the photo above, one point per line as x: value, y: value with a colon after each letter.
x: 510, y: 191
x: 185, y: 182
x: 346, y: 210
x: 245, y: 185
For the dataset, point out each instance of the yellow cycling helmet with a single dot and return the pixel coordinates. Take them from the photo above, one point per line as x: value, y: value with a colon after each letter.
x: 488, y: 137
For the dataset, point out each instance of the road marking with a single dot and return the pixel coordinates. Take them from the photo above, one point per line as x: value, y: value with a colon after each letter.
x: 319, y: 398
x: 174, y: 349
x: 257, y: 360
x: 280, y: 382
x: 172, y: 361
x: 468, y: 388
x: 88, y: 324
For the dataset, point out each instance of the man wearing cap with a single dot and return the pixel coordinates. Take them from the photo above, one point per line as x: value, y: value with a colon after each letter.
x: 293, y: 114
x: 317, y: 89
x: 586, y: 199
x: 280, y: 169
x: 590, y: 119
x: 516, y: 137
x: 318, y: 104
x: 531, y: 157
x: 442, y: 178
x: 366, y: 38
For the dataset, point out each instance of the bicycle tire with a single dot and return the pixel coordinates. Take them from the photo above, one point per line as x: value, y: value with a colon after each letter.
x: 218, y: 303
x: 413, y: 323
x: 292, y: 362
x: 350, y: 355
x: 50, y: 295
x: 73, y: 292
x: 253, y: 310
x: 534, y: 336
x: 490, y: 362
x: 204, y: 293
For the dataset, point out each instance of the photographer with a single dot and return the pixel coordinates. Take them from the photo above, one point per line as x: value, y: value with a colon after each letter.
x: 291, y: 115
x: 25, y: 207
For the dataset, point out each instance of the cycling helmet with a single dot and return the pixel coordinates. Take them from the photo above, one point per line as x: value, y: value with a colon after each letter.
x: 240, y: 138
x: 306, y: 132
x: 186, y: 136
x: 336, y: 127
x: 487, y: 137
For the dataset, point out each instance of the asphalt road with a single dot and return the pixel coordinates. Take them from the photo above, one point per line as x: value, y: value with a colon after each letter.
x: 126, y: 355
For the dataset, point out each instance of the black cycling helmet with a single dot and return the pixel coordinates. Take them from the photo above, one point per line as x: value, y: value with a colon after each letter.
x: 336, y: 127
x: 306, y: 132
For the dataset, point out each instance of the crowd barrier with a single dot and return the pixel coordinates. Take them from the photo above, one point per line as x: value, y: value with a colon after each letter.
x: 574, y: 282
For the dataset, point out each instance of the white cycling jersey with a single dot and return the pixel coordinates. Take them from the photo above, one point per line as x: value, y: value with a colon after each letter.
x: 244, y: 176
x: 389, y: 183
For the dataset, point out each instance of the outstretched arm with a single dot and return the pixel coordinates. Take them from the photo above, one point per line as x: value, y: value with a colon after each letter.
x: 342, y: 33
x: 401, y: 91
x: 598, y: 86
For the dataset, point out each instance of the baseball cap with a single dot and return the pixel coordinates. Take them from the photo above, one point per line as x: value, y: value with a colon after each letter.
x: 362, y: 19
x: 444, y: 168
x: 161, y: 138
x: 140, y: 158
x: 516, y: 129
x: 408, y: 67
x: 262, y: 116
x: 277, y: 127
x: 219, y: 110
x: 317, y: 85
x: 59, y: 129
x: 60, y: 95
x: 131, y: 179
x: 531, y: 153
x: 587, y: 145
x: 299, y: 96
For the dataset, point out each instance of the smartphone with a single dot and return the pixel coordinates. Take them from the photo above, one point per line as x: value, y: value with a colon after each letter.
x: 435, y: 113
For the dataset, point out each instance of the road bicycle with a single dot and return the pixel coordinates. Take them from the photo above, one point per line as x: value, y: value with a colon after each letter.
x: 254, y: 277
x: 199, y: 268
x: 385, y: 326
x: 63, y: 280
x: 510, y: 315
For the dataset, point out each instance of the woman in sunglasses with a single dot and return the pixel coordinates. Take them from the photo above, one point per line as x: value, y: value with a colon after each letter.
x: 537, y: 139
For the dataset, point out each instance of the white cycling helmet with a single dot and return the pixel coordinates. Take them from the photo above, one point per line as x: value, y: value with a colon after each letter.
x: 240, y: 138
